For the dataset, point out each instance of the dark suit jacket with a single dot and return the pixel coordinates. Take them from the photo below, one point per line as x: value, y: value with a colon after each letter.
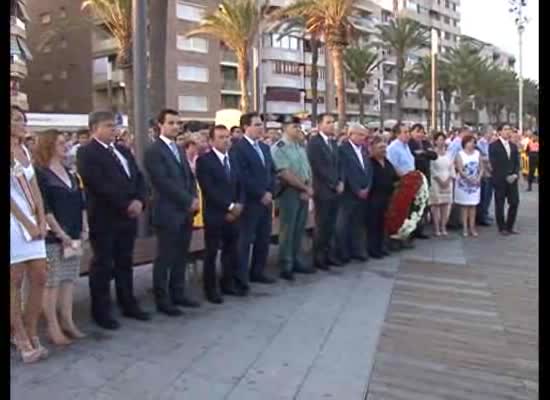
x: 356, y: 177
x: 174, y: 186
x: 501, y: 164
x: 325, y: 167
x: 109, y: 191
x: 218, y: 192
x: 256, y: 178
x: 422, y: 161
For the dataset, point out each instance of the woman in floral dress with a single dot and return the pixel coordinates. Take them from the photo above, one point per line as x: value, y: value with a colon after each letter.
x: 468, y: 183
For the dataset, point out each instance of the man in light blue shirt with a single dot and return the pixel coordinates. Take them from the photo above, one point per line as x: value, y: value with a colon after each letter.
x: 456, y: 145
x: 399, y: 152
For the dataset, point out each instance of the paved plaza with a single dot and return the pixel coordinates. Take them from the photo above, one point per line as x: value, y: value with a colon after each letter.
x: 453, y: 319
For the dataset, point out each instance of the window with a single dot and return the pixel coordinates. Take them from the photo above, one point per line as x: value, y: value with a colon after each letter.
x: 448, y: 36
x: 63, y: 75
x: 62, y: 13
x: 455, y: 22
x: 189, y: 12
x: 447, y: 20
x: 287, y: 68
x: 321, y: 72
x: 196, y: 44
x: 454, y: 6
x: 192, y: 74
x: 193, y: 103
x: 285, y: 42
x: 447, y: 4
x: 47, y: 77
x: 435, y: 15
x: 45, y: 18
x: 230, y: 101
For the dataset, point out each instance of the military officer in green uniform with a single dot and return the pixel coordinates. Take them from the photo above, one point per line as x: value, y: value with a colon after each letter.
x: 294, y: 172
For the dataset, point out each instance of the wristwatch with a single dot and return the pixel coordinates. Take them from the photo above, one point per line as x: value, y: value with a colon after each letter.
x: 231, y: 206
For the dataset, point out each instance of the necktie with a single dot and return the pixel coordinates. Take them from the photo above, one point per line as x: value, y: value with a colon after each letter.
x: 111, y: 149
x: 226, y: 166
x: 259, y: 151
x: 174, y: 148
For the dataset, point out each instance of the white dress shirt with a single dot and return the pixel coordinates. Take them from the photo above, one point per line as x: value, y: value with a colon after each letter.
x: 122, y: 159
x: 506, y: 145
x: 358, y: 152
x: 221, y: 157
x: 325, y: 138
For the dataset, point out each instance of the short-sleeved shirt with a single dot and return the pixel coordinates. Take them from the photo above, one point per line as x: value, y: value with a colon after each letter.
x: 454, y: 148
x: 400, y: 156
x: 291, y: 156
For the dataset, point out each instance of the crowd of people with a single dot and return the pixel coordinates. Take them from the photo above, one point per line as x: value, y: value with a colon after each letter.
x: 67, y: 189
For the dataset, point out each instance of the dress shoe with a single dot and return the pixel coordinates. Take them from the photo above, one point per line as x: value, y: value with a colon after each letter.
x: 232, y: 291
x: 303, y: 270
x: 262, y: 279
x: 504, y: 233
x: 136, y: 313
x: 287, y: 276
x: 484, y: 223
x: 107, y: 323
x: 169, y: 309
x: 513, y: 232
x: 359, y: 258
x: 214, y: 298
x: 186, y: 302
x: 376, y: 256
x: 333, y: 261
x: 322, y: 266
x: 421, y: 236
x: 385, y: 253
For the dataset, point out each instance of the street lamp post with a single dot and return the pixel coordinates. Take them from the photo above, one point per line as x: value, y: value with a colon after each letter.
x: 516, y: 8
x: 435, y: 45
x: 139, y: 38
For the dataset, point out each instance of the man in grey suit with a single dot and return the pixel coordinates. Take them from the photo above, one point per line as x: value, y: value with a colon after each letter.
x: 174, y: 205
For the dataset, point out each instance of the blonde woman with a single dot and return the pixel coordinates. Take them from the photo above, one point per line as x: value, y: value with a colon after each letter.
x: 441, y: 188
x: 66, y: 216
x: 27, y: 245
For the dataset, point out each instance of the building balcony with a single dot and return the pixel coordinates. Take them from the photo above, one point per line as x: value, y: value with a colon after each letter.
x: 18, y: 69
x: 100, y: 79
x: 17, y: 27
x: 228, y: 58
x: 20, y: 99
x: 104, y: 47
x: 284, y: 107
x: 321, y: 61
x: 270, y: 53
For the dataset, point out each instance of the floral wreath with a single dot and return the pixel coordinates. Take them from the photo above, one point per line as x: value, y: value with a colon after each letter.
x: 407, y: 205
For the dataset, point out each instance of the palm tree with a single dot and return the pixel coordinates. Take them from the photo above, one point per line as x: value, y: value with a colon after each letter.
x: 297, y: 26
x: 447, y: 88
x: 402, y: 36
x: 421, y: 76
x: 116, y: 17
x: 331, y: 18
x: 236, y: 23
x: 360, y: 64
x: 464, y: 65
x: 531, y: 98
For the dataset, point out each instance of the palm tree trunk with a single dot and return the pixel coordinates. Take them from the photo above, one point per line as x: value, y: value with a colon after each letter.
x: 399, y: 89
x: 314, y: 79
x: 128, y: 73
x: 361, y: 104
x: 242, y: 72
x: 338, y: 65
x: 429, y: 119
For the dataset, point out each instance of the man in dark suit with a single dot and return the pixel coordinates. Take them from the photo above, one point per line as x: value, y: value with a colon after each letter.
x: 116, y: 194
x: 357, y: 172
x: 174, y: 205
x: 423, y: 153
x: 257, y: 175
x: 328, y: 184
x: 505, y: 166
x: 223, y: 204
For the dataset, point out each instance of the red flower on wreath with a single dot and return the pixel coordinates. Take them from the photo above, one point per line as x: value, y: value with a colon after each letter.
x: 401, y: 201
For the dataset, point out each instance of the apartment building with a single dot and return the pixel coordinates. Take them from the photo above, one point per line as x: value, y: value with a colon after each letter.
x: 493, y: 53
x: 60, y: 77
x: 19, y: 53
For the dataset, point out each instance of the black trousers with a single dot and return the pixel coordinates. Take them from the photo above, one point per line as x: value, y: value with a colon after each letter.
x: 326, y: 214
x: 224, y: 237
x: 533, y: 165
x: 112, y: 257
x: 375, y: 214
x: 171, y: 261
x: 505, y: 191
x: 350, y: 229
x: 255, y: 230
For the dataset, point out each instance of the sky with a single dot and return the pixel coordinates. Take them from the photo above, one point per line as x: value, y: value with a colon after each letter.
x: 490, y: 21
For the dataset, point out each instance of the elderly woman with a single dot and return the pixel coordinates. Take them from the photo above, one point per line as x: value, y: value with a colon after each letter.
x: 66, y: 216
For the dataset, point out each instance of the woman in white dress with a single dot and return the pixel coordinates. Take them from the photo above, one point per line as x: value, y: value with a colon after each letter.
x: 442, y: 173
x: 468, y: 183
x: 27, y: 245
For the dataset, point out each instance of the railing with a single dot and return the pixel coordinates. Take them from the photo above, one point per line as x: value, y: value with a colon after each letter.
x: 228, y: 56
x: 231, y: 85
